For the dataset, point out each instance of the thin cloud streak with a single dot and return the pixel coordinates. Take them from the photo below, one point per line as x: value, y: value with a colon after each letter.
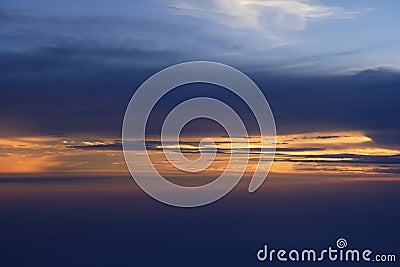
x: 262, y: 15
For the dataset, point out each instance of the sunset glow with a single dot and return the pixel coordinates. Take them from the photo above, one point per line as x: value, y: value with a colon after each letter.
x: 339, y: 153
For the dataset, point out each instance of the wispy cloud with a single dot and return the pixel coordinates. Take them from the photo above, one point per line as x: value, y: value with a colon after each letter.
x: 267, y: 16
x: 346, y: 158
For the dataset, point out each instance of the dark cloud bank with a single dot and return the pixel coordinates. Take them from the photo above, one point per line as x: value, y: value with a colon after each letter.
x: 74, y: 86
x: 64, y: 91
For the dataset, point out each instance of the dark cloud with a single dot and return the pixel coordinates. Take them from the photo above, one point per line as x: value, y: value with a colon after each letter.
x: 157, y: 145
x: 324, y: 168
x: 302, y: 149
x: 385, y: 170
x: 366, y: 101
x: 117, y: 145
x: 66, y: 91
x: 66, y: 75
x: 345, y: 158
x: 319, y: 137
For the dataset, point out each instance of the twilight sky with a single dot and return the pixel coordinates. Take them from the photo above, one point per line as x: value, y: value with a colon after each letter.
x: 330, y: 70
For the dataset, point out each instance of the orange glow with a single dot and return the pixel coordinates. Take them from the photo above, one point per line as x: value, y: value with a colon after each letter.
x: 319, y: 152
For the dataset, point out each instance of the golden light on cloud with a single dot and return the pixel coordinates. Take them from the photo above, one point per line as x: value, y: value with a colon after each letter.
x: 53, y: 154
x: 321, y: 152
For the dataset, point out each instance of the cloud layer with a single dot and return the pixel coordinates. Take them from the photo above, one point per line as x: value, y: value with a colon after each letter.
x: 263, y: 15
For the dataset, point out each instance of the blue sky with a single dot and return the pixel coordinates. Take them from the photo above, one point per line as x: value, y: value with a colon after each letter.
x: 285, y: 36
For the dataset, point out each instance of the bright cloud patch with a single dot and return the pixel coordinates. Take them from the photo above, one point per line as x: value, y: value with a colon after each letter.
x: 262, y: 15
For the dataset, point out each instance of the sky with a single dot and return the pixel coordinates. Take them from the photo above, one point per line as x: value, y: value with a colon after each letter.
x: 329, y: 69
